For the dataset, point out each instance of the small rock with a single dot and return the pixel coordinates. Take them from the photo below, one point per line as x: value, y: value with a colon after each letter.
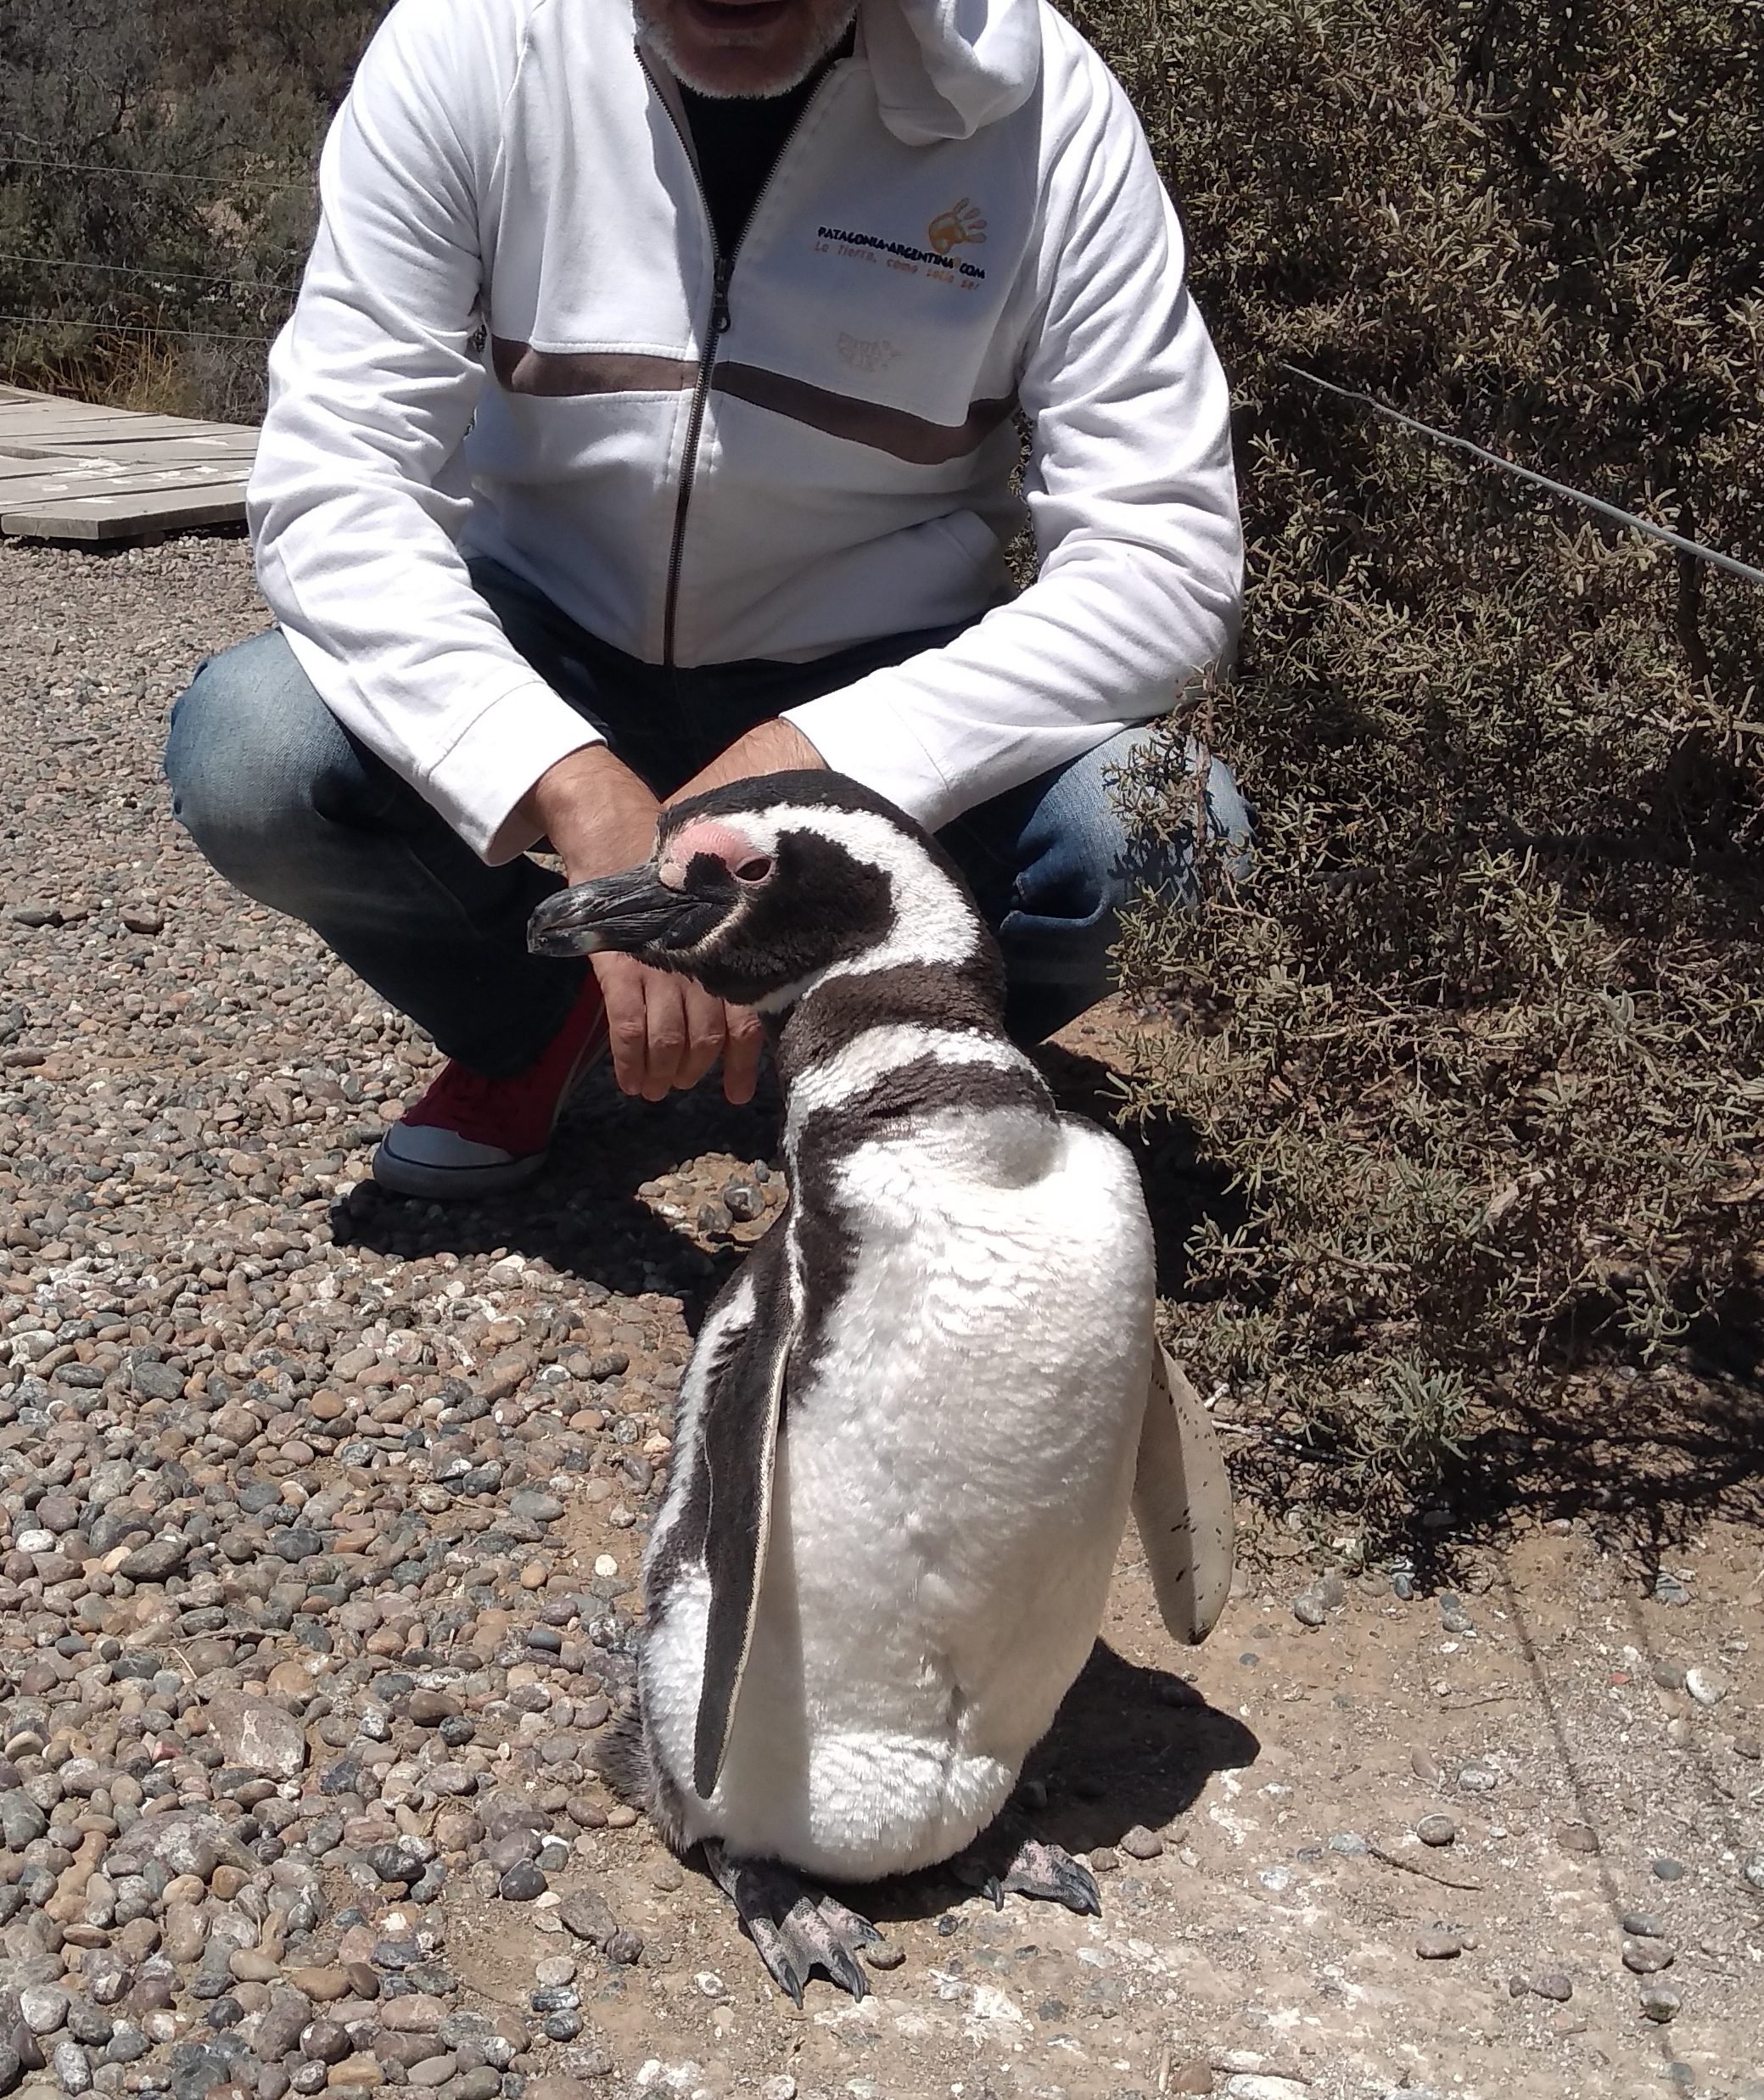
x: 1577, y: 1837
x: 589, y: 1917
x: 68, y: 2060
x: 1645, y: 1958
x: 1551, y: 1984
x: 521, y: 1883
x: 322, y: 1985
x: 1660, y: 2002
x: 1139, y: 1843
x: 42, y: 2008
x: 160, y: 1557
x: 1642, y: 1925
x: 1707, y: 1686
x: 257, y: 1734
x: 1670, y: 1590
x: 1478, y: 1778
x: 1309, y: 1609
x: 1668, y: 1870
x: 324, y: 2041
x: 883, y: 1954
x: 1437, y: 1829
x: 1439, y: 1943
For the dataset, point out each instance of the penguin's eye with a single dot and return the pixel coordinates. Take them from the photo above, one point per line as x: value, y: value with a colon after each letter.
x: 754, y: 868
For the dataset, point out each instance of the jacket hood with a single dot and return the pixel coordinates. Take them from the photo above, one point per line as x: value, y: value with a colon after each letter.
x: 944, y: 68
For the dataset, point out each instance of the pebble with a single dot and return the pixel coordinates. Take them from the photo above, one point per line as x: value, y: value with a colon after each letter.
x: 1660, y: 2002
x: 1645, y: 1958
x: 1435, y: 1829
x: 1707, y: 1686
x: 1668, y: 1870
x: 1439, y: 1943
x: 1577, y: 1837
x: 1551, y: 1984
x: 1642, y: 1925
x: 1139, y: 1843
x: 42, y: 2008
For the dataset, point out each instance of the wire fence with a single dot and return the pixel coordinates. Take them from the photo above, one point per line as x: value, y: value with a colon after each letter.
x: 150, y: 270
x: 127, y: 327
x: 217, y: 185
x: 1692, y: 548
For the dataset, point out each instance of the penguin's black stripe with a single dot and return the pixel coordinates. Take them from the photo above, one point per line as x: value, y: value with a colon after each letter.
x: 930, y: 1084
x: 969, y: 999
x: 923, y: 1085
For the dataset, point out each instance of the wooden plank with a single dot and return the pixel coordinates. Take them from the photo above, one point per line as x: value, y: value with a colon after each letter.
x: 93, y: 517
x: 143, y: 452
x: 50, y: 482
x: 29, y: 428
x: 81, y: 470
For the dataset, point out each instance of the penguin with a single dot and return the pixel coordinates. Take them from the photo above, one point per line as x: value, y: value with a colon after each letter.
x: 914, y: 1421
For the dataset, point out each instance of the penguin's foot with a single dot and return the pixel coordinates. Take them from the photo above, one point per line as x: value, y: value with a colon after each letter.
x: 1043, y: 1872
x: 795, y: 1929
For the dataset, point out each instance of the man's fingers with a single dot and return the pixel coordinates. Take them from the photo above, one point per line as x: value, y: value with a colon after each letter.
x: 665, y: 997
x: 622, y: 987
x: 665, y: 1032
x: 707, y: 1026
x: 744, y: 1040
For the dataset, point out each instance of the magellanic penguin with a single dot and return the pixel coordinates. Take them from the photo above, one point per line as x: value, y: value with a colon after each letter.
x: 906, y: 1440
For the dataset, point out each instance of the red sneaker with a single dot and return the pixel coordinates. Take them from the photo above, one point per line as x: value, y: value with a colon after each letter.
x: 469, y: 1136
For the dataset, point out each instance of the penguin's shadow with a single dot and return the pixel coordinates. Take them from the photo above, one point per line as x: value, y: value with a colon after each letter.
x: 1129, y: 1747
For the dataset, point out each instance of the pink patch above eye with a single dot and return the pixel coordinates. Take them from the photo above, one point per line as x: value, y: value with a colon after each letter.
x: 723, y: 841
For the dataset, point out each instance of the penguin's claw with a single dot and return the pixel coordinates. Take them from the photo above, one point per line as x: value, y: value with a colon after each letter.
x: 794, y: 1930
x: 1054, y: 1876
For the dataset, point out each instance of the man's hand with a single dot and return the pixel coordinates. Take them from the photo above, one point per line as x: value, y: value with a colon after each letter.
x: 664, y: 1030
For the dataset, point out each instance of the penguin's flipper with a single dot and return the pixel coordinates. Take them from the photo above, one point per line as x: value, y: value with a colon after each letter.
x: 1182, y: 1505
x: 742, y: 1412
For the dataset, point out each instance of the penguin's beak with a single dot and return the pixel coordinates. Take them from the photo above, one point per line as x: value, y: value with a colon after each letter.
x: 634, y: 914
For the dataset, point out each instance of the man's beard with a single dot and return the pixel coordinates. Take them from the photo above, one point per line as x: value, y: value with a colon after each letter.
x: 825, y: 23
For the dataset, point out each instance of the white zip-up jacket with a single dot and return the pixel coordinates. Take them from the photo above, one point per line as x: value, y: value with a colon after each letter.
x: 515, y: 337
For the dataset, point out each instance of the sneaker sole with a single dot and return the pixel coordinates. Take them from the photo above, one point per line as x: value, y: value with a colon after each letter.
x: 445, y: 1185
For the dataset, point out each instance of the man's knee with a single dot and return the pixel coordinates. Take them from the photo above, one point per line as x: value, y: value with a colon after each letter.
x: 251, y: 747
x: 1122, y: 860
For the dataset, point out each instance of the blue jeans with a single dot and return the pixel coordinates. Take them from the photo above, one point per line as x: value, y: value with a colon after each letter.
x: 298, y: 814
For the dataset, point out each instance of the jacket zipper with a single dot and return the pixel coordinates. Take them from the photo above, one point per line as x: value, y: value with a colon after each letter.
x: 722, y: 268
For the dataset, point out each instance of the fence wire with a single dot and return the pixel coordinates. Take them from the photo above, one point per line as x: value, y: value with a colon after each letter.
x: 1713, y: 556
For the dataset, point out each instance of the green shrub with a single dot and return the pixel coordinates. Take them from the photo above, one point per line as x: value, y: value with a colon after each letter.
x: 156, y: 194
x: 1479, y: 1038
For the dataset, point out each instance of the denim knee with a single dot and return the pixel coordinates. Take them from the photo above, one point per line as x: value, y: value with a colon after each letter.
x: 253, y: 756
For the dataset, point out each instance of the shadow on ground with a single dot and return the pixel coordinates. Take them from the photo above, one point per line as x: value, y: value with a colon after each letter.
x: 584, y: 1217
x: 1129, y: 1746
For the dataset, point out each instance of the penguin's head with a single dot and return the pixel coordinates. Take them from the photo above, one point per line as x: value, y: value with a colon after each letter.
x: 760, y: 889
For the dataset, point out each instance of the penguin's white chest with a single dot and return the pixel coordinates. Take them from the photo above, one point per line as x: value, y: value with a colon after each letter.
x: 953, y: 1483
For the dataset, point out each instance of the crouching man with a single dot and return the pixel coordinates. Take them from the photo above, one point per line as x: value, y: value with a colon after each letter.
x: 647, y: 420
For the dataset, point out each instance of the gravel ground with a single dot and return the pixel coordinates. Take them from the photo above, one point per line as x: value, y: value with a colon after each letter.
x: 322, y: 1516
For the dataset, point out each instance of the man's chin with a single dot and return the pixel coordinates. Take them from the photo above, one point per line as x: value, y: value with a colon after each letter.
x: 764, y: 49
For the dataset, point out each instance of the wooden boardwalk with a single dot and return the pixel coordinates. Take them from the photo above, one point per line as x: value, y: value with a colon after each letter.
x: 73, y: 470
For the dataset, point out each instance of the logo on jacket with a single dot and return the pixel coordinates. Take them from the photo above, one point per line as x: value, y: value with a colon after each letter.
x: 959, y: 226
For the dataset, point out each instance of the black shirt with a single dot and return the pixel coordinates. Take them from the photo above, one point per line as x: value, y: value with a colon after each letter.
x: 738, y: 140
